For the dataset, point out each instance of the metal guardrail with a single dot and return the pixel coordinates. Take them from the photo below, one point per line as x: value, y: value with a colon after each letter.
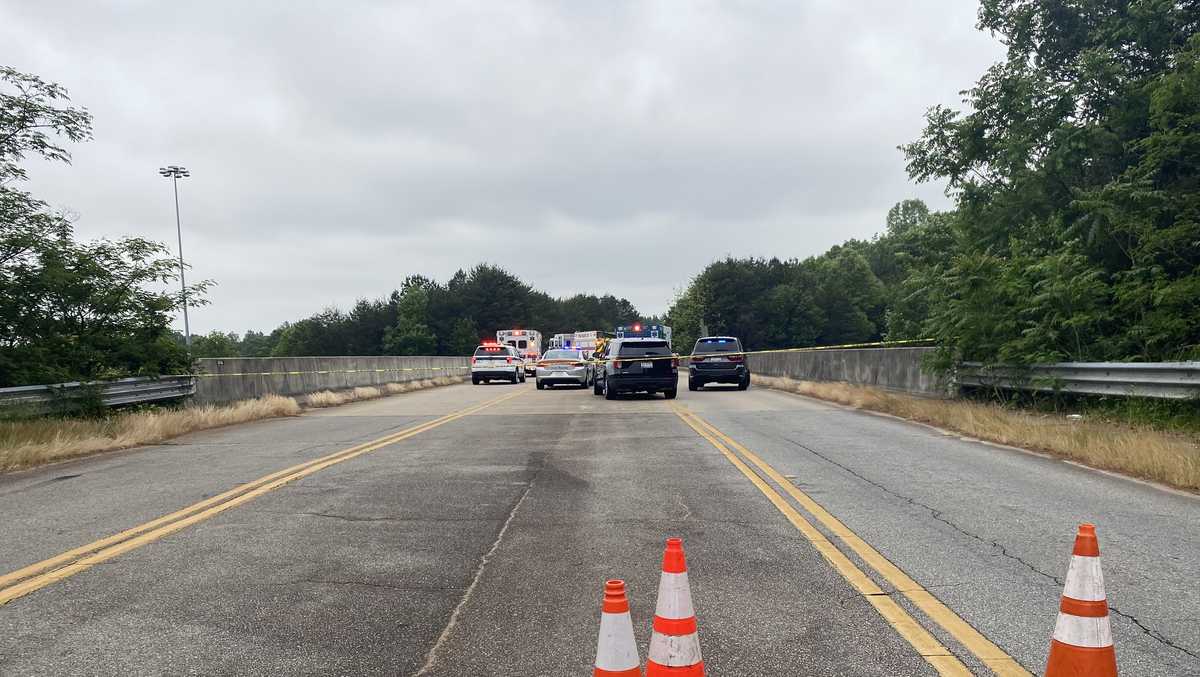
x: 112, y: 393
x: 1163, y: 380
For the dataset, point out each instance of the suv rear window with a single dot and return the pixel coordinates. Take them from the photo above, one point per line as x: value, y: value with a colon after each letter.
x: 730, y: 345
x: 491, y: 351
x: 644, y: 349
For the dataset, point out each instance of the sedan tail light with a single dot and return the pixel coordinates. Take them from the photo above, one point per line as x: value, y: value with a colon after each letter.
x: 697, y: 358
x: 509, y: 358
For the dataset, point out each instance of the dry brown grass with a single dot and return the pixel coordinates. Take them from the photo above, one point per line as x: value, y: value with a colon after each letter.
x: 331, y: 398
x: 32, y: 442
x: 1167, y: 457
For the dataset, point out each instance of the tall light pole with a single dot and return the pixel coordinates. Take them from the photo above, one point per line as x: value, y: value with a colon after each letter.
x: 175, y: 174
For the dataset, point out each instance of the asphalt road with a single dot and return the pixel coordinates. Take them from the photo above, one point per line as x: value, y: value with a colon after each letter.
x: 478, y: 543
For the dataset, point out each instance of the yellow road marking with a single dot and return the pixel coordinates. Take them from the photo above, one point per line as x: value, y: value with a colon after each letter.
x: 937, y: 655
x: 36, y: 576
x: 991, y: 655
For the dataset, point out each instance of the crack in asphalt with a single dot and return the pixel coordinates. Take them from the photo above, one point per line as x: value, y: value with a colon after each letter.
x: 1153, y: 634
x: 413, y: 588
x: 352, y: 518
x: 687, y: 512
x: 933, y: 512
x: 538, y: 463
x: 937, y: 515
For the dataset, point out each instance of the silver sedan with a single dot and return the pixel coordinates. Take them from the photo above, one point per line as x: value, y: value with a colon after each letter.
x: 563, y: 367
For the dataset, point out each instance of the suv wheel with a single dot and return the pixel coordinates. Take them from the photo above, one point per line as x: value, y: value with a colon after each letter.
x: 670, y: 394
x: 596, y: 390
x: 475, y: 380
x: 692, y: 385
x: 744, y: 383
x: 540, y: 385
x: 610, y: 393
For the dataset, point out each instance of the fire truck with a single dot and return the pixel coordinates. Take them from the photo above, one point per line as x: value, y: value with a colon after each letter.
x: 528, y: 343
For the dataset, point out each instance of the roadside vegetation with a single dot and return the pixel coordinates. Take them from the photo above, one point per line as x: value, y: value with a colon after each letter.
x: 29, y: 442
x: 1150, y: 452
x: 1075, y: 234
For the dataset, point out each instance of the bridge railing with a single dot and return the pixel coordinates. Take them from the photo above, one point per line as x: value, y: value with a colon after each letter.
x: 1163, y: 380
x: 110, y: 393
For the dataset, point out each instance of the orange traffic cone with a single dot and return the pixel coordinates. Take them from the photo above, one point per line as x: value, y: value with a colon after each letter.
x: 1082, y: 643
x: 616, y: 650
x: 675, y: 643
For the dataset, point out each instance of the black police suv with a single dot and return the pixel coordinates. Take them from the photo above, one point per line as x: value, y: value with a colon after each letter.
x: 631, y: 365
x: 718, y: 359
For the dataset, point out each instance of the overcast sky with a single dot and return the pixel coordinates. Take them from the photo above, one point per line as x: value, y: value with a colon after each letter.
x: 585, y: 146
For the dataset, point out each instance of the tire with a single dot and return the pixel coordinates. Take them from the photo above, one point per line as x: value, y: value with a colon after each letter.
x: 475, y: 380
x: 609, y: 392
x: 596, y: 387
x: 670, y: 394
x: 692, y: 385
x: 744, y: 383
x: 540, y: 385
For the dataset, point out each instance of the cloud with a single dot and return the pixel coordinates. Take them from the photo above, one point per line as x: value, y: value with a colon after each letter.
x: 605, y: 147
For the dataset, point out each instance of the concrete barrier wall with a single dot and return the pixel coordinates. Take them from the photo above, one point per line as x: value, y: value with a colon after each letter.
x: 889, y: 368
x: 239, y: 378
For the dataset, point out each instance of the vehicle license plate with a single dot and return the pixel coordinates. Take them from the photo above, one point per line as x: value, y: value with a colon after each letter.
x: 647, y: 365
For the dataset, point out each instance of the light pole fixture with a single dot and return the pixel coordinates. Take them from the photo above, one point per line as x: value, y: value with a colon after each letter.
x: 175, y: 174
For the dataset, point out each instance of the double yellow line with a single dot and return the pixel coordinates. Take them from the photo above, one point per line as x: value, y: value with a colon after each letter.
x: 933, y: 651
x: 37, y: 576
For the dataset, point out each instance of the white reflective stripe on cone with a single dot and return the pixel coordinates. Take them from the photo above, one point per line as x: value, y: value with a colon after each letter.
x: 1085, y: 581
x: 674, y: 597
x: 1094, y: 633
x: 675, y: 650
x: 616, y: 649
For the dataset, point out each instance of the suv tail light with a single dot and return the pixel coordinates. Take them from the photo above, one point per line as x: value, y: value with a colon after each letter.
x: 509, y: 359
x: 472, y: 359
x: 616, y: 364
x: 736, y: 358
x: 697, y: 358
x: 674, y: 361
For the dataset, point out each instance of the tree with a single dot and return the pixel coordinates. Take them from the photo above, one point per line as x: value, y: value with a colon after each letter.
x: 71, y: 310
x: 464, y: 337
x: 257, y: 344
x: 411, y: 334
x: 1076, y: 181
x: 216, y: 344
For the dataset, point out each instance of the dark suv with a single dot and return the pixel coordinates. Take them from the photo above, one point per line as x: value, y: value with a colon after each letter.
x: 633, y: 365
x: 718, y: 359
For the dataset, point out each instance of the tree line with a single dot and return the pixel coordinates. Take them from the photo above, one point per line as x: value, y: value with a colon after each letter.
x: 426, y: 317
x: 1074, y: 235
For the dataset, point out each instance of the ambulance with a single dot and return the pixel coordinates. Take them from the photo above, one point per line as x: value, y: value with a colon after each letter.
x: 527, y: 342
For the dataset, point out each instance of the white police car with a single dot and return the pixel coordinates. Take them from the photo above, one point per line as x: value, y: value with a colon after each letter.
x: 495, y: 362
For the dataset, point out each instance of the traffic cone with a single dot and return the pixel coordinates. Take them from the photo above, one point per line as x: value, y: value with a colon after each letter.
x: 1082, y: 643
x: 616, y: 650
x: 675, y: 643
